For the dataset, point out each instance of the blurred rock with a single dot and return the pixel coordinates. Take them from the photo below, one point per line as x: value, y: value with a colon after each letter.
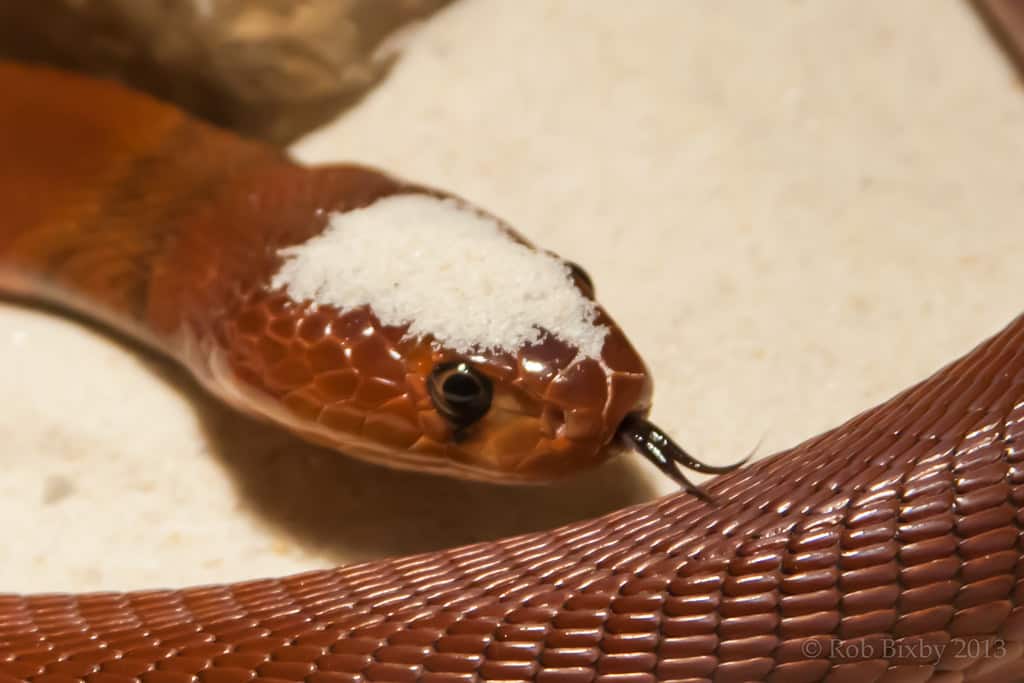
x: 267, y: 68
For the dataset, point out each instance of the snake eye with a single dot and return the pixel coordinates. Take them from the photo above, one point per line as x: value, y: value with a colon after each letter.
x: 582, y: 278
x: 460, y: 392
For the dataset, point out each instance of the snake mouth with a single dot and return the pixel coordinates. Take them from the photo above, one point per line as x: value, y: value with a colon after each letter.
x: 647, y: 439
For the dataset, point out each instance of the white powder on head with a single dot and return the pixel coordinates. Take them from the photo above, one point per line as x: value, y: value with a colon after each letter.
x: 445, y: 270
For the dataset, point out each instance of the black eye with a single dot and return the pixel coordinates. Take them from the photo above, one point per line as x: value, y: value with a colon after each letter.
x: 582, y: 278
x: 460, y: 392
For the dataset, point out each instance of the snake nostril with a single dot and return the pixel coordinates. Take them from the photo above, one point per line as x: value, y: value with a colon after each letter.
x: 552, y: 421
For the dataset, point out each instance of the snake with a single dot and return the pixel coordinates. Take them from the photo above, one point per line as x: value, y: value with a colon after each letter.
x: 402, y: 325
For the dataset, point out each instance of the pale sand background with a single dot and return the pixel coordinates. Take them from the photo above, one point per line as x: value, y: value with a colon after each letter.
x: 795, y: 208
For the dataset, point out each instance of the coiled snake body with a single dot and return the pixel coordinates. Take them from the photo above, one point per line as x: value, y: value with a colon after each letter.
x: 888, y: 549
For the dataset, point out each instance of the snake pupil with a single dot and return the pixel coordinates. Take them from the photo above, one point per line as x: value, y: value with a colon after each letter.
x: 460, y: 392
x: 582, y: 278
x: 460, y: 388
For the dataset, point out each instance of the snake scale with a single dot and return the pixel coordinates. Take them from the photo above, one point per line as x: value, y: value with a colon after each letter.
x: 887, y: 549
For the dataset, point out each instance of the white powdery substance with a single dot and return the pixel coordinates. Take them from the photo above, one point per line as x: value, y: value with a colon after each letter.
x: 446, y: 271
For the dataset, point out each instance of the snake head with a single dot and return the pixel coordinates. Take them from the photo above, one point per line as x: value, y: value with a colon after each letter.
x: 409, y: 328
x: 549, y: 412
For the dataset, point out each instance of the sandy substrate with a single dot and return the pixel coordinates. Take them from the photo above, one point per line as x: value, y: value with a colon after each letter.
x: 795, y: 209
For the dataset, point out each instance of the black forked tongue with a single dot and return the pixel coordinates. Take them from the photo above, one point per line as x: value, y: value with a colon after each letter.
x: 667, y: 455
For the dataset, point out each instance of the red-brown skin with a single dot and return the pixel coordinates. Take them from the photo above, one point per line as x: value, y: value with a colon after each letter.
x: 836, y: 560
x: 130, y: 211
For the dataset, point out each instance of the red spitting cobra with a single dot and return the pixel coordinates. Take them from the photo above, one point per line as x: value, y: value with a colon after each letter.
x: 888, y: 549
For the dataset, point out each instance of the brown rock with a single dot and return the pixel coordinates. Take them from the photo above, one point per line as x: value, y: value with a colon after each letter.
x: 267, y: 68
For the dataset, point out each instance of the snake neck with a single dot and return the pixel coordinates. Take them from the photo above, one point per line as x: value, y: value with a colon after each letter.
x: 97, y: 183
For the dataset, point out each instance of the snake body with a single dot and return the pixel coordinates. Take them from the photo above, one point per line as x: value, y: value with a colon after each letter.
x: 887, y: 549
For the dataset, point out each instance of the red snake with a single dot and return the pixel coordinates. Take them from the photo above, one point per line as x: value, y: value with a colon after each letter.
x: 888, y: 549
